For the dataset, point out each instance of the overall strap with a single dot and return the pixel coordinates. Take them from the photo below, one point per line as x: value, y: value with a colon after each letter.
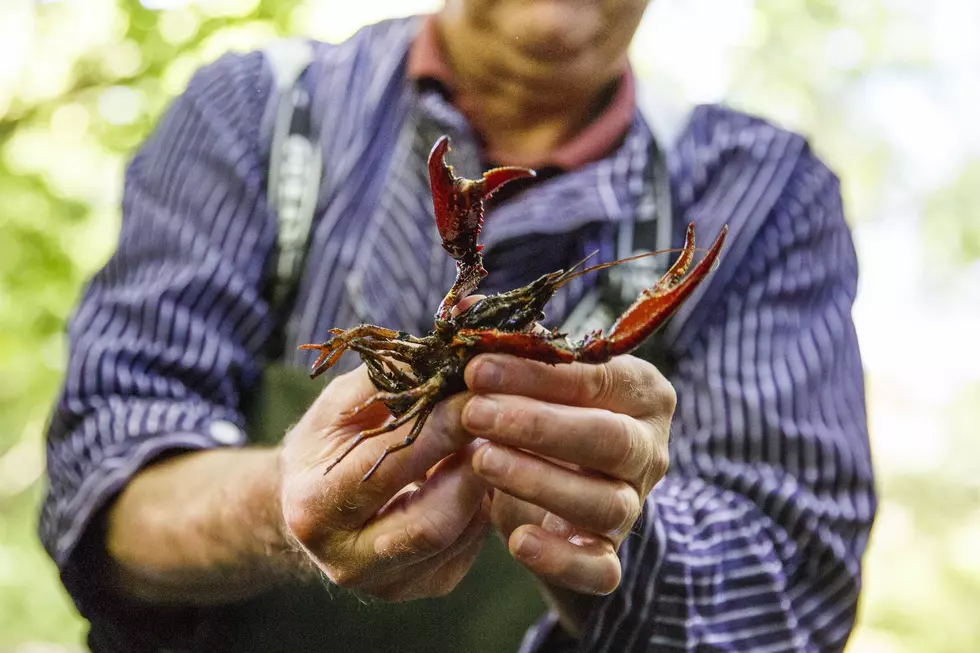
x: 666, y: 119
x: 651, y: 228
x: 652, y: 225
x: 295, y: 174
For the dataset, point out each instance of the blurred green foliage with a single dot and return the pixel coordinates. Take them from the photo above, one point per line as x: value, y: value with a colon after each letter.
x: 59, y: 155
x: 953, y: 240
x: 99, y: 74
x: 924, y: 567
x: 806, y: 64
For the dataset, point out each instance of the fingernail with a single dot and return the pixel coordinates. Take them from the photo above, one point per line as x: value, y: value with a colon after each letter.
x: 529, y: 548
x: 490, y: 461
x: 584, y: 541
x: 480, y: 415
x: 488, y: 375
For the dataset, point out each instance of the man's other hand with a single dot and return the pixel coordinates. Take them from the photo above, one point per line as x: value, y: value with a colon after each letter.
x: 572, y: 452
x: 414, y: 528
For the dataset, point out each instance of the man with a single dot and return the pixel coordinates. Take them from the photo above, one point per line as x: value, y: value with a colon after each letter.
x: 163, y: 518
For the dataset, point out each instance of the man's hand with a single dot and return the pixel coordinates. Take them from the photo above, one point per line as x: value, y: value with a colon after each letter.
x: 573, y: 452
x: 388, y: 537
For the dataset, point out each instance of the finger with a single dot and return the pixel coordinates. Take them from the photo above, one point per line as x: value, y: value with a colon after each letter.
x: 594, y: 503
x: 397, y: 578
x: 507, y: 513
x: 465, y: 303
x: 438, y: 576
x: 585, y: 565
x: 625, y: 384
x: 429, y: 521
x: 441, y: 435
x: 346, y: 390
x: 612, y: 443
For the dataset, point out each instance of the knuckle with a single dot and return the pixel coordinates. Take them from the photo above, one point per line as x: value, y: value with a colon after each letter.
x: 597, y: 383
x: 659, y: 464
x: 301, y: 522
x: 634, y: 376
x: 444, y: 586
x: 610, y: 578
x: 637, y: 452
x: 510, y: 418
x: 663, y: 396
x: 443, y: 590
x: 424, y: 536
x: 624, y: 443
x: 641, y: 384
x: 631, y: 508
x: 520, y: 420
x: 621, y: 510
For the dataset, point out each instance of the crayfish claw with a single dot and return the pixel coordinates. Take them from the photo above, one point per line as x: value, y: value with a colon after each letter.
x: 655, y: 306
x: 459, y: 209
x: 458, y: 202
x: 318, y: 367
x: 497, y: 177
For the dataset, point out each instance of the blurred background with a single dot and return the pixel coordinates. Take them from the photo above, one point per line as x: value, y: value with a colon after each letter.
x: 887, y: 90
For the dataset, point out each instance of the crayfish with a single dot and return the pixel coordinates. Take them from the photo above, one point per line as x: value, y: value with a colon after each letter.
x: 412, y: 374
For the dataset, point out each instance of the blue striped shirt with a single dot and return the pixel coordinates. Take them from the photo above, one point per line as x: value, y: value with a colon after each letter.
x: 753, y: 541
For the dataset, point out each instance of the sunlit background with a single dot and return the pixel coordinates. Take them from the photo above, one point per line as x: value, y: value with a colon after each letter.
x: 887, y: 90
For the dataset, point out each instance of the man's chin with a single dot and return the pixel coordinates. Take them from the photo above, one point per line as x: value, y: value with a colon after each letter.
x: 553, y: 30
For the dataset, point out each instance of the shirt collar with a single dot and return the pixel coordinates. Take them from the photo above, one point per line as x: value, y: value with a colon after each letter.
x: 595, y: 142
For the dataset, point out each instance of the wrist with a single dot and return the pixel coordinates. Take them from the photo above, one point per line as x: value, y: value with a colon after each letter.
x: 273, y: 542
x: 202, y: 526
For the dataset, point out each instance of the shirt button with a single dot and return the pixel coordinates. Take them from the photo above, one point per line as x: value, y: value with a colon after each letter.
x: 226, y: 432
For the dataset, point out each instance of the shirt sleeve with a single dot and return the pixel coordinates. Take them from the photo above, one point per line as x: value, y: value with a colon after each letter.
x: 753, y: 541
x: 166, y: 335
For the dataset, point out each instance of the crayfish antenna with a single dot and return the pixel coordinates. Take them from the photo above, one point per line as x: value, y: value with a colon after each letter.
x: 574, y: 272
x: 571, y: 272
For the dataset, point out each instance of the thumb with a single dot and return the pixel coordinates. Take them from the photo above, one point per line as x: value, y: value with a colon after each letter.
x: 465, y: 303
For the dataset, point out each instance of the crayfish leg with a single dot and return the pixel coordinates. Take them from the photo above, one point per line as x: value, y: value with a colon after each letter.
x: 427, y: 394
x: 390, y: 425
x: 407, y: 442
x: 423, y: 390
x: 333, y: 349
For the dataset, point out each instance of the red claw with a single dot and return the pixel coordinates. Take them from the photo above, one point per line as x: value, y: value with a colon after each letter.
x: 647, y: 314
x: 458, y: 205
x: 655, y: 306
x: 458, y: 202
x: 443, y: 182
